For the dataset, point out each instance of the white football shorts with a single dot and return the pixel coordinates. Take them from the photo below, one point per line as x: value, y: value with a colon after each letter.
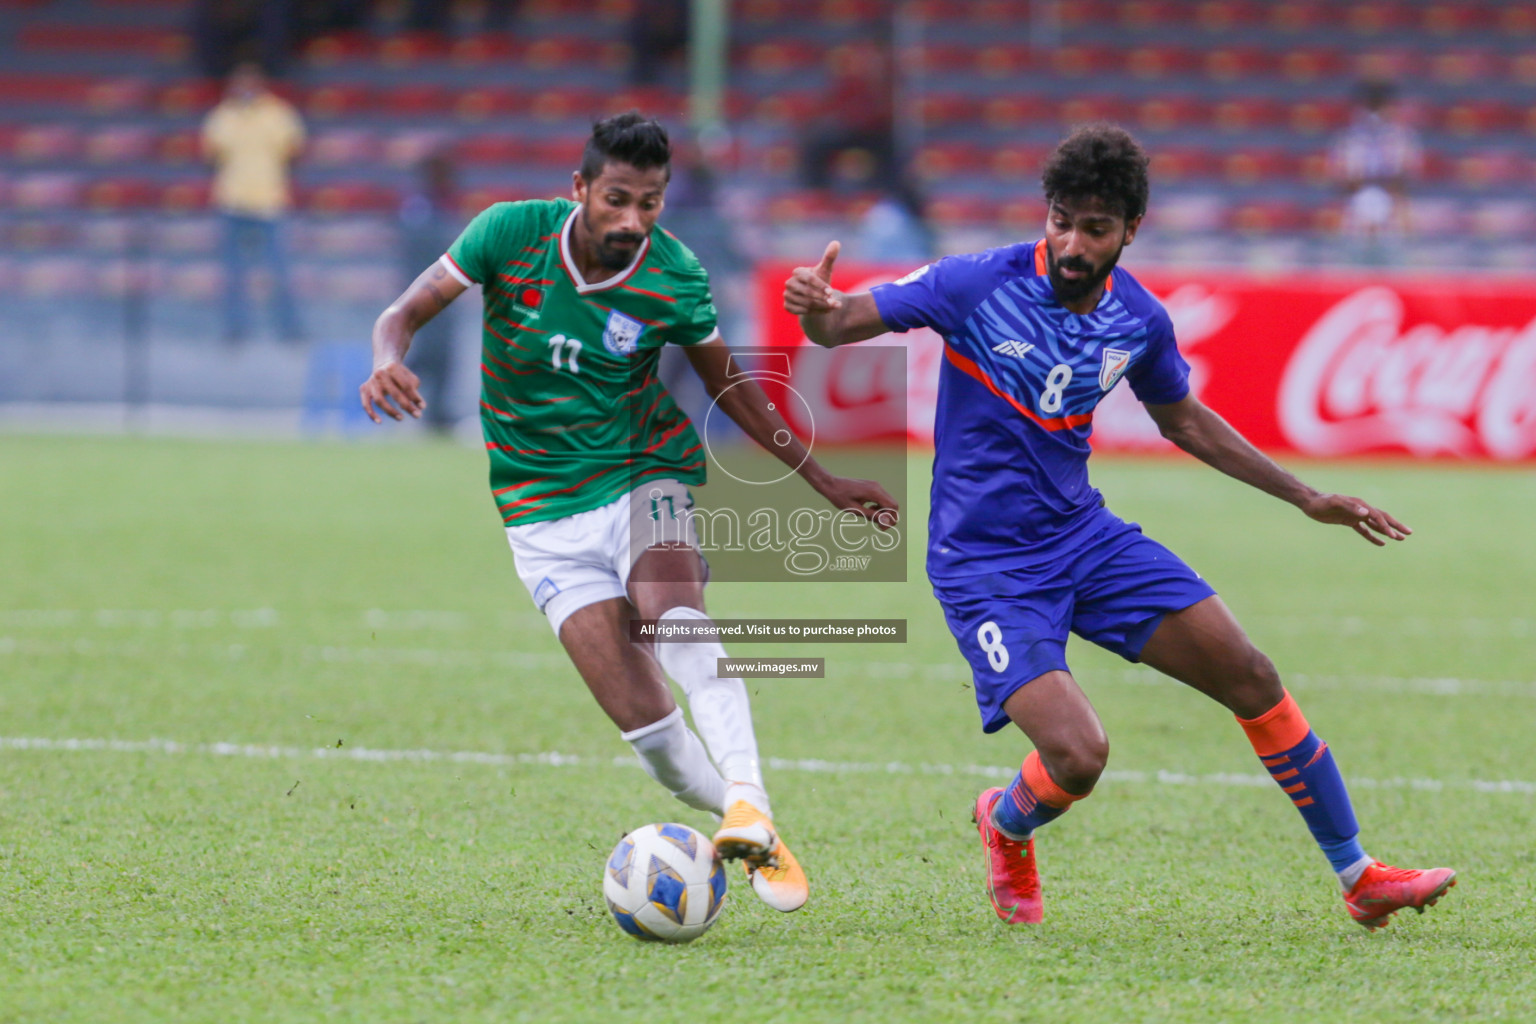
x: 581, y: 559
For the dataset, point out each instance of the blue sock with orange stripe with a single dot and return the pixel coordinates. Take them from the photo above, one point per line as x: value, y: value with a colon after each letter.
x: 1031, y: 800
x: 1303, y: 766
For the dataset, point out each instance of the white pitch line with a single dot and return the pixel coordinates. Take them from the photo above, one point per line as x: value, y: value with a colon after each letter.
x: 554, y: 759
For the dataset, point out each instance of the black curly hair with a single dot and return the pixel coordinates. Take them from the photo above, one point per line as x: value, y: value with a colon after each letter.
x: 1099, y: 161
x: 629, y: 138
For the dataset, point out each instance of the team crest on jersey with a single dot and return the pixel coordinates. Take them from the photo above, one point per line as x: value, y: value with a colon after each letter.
x: 622, y: 335
x: 1115, y: 362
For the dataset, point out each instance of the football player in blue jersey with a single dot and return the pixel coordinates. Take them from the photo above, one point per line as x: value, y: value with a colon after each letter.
x: 1022, y: 550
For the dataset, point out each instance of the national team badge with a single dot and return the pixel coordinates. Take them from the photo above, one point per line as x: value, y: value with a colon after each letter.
x: 1115, y: 362
x: 622, y: 335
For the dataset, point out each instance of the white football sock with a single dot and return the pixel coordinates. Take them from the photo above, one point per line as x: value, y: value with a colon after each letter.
x: 719, y: 707
x: 1350, y: 875
x: 673, y: 756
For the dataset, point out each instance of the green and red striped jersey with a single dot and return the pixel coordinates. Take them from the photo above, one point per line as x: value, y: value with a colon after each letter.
x: 572, y: 410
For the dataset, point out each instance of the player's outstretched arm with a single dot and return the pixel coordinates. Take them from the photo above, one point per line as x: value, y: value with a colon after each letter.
x: 1198, y: 430
x: 392, y: 387
x: 744, y: 401
x: 830, y: 317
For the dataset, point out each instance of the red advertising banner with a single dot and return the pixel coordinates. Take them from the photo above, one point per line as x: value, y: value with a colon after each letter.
x: 1323, y: 365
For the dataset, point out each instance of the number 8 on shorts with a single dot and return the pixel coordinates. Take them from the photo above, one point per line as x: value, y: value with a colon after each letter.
x: 991, y: 640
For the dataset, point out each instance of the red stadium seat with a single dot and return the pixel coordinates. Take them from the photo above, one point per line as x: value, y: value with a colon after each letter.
x: 481, y: 103
x: 1005, y: 112
x: 67, y: 90
x: 1003, y: 60
x: 349, y: 197
x: 1451, y: 19
x: 1251, y: 166
x: 1395, y: 65
x: 496, y: 148
x: 180, y: 147
x: 1248, y: 114
x: 164, y: 45
x: 1181, y: 164
x: 188, y: 97
x: 1376, y: 18
x: 1082, y: 61
x: 766, y: 12
x: 849, y: 12
x: 184, y: 196
x: 960, y: 211
x: 1078, y: 14
x: 781, y: 57
x: 1156, y: 62
x: 563, y: 151
x: 342, y: 147
x: 1503, y: 219
x: 121, y: 194
x: 563, y: 104
x: 1015, y: 163
x: 119, y: 96
x: 1311, y: 64
x: 788, y: 108
x: 1140, y: 15
x: 1314, y: 117
x: 656, y: 102
x: 51, y: 190
x: 1229, y: 63
x: 1517, y: 20
x: 1226, y: 15
x: 47, y: 143
x: 947, y: 159
x: 498, y: 48
x: 1463, y: 67
x: 120, y: 145
x: 1300, y: 15
x: 338, y: 48
x: 1489, y: 169
x: 1081, y: 109
x: 943, y: 109
x: 1169, y: 113
x: 407, y: 149
x: 410, y: 49
x: 338, y: 101
x: 1269, y: 217
x: 415, y: 100
x: 1480, y: 118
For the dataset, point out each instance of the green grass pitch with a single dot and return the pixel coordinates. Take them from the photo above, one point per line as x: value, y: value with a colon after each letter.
x: 310, y: 603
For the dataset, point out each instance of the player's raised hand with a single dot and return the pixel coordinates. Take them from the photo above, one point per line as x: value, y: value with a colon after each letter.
x: 1344, y: 510
x: 866, y: 497
x: 809, y: 289
x: 388, y: 387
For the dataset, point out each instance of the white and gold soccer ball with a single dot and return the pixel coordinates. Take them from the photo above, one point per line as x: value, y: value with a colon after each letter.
x: 665, y: 882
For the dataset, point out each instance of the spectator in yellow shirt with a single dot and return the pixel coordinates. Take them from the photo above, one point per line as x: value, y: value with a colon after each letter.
x: 251, y: 138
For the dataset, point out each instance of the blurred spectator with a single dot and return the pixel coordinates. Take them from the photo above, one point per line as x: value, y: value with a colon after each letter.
x: 1373, y: 160
x: 854, y: 128
x: 658, y: 34
x: 429, y: 222
x: 227, y: 31
x: 894, y: 230
x: 251, y: 137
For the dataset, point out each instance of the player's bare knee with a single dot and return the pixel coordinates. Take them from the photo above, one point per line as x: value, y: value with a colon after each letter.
x: 1076, y: 767
x: 1256, y: 687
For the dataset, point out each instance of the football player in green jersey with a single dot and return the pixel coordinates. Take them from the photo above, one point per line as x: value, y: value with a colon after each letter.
x: 588, y: 450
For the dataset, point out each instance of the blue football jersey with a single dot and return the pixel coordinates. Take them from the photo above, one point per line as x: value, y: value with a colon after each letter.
x: 1021, y: 377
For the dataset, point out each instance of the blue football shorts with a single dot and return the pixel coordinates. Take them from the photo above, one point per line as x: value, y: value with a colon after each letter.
x: 1112, y: 589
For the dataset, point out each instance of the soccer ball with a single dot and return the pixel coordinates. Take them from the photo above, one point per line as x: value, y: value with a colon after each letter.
x: 664, y: 882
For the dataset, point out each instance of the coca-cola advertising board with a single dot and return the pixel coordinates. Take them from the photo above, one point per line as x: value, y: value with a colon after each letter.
x: 1314, y: 364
